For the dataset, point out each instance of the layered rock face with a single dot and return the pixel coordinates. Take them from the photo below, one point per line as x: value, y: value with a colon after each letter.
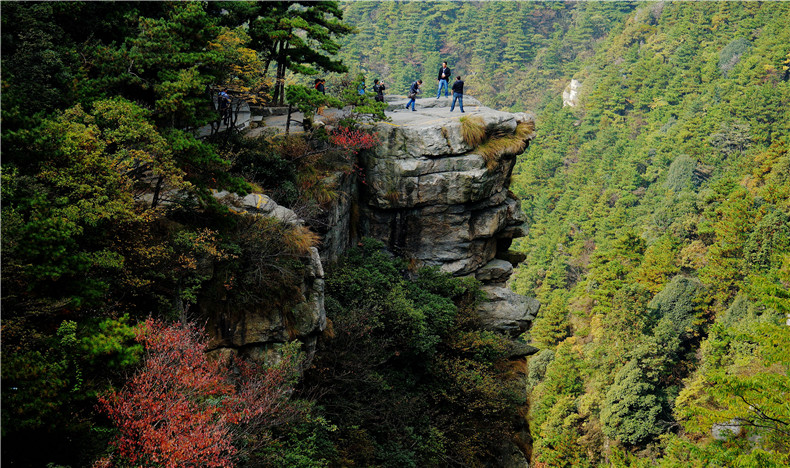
x: 438, y: 201
x: 259, y: 329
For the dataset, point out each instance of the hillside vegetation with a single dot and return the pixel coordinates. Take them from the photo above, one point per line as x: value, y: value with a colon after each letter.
x: 660, y: 244
x: 659, y: 241
x: 659, y: 210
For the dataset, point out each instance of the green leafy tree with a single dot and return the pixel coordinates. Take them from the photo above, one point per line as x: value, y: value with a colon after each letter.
x: 631, y: 412
x: 551, y: 325
x: 300, y: 37
x: 409, y: 377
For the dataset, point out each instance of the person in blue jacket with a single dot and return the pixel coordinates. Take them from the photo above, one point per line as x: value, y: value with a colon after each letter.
x: 224, y: 107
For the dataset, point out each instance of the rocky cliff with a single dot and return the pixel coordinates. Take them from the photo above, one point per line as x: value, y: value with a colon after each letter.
x: 258, y: 329
x: 439, y: 199
x: 435, y: 190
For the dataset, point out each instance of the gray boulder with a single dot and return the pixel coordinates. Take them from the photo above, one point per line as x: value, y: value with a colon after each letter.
x: 507, y: 312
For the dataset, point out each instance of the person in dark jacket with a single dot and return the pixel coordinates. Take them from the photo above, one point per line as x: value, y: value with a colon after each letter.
x: 224, y: 107
x: 319, y: 86
x: 414, y: 90
x: 443, y: 79
x: 458, y: 93
x: 378, y: 88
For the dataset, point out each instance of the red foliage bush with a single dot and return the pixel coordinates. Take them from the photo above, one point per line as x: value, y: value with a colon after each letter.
x: 353, y: 140
x: 183, y: 409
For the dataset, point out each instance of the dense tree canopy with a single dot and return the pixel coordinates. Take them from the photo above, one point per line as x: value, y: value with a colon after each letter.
x: 659, y: 241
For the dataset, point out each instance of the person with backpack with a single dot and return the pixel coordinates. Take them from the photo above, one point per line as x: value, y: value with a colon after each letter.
x: 414, y: 90
x: 224, y: 107
x: 378, y: 88
x: 458, y: 93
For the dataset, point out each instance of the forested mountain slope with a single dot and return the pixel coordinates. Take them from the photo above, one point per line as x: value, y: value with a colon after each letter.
x: 512, y: 55
x: 659, y: 208
x: 660, y: 241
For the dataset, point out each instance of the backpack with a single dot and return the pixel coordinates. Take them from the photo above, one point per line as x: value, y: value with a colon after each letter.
x: 224, y: 99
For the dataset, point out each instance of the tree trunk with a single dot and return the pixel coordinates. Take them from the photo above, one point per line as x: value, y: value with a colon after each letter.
x: 158, y: 188
x: 288, y: 122
x: 278, y: 61
x: 281, y: 69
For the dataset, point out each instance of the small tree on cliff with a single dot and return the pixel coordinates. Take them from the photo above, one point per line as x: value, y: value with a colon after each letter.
x: 182, y: 409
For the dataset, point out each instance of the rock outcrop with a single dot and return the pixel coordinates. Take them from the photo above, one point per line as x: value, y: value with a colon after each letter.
x: 258, y: 329
x: 570, y: 96
x: 439, y: 201
x: 430, y: 195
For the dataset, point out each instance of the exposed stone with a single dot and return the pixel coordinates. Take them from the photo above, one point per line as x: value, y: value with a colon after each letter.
x: 519, y: 350
x: 511, y: 256
x: 570, y: 96
x: 429, y: 196
x: 495, y: 271
x: 726, y: 430
x: 338, y: 223
x: 507, y: 312
x: 514, y: 458
x: 254, y: 329
x: 258, y: 203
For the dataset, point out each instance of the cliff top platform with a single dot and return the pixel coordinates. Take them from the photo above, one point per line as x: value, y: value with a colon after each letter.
x: 430, y: 111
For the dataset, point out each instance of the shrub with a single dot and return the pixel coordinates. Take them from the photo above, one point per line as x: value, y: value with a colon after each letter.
x: 408, y: 357
x: 183, y: 409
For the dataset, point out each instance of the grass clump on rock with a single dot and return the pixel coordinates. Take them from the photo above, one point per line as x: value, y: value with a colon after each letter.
x: 473, y: 130
x: 493, y: 149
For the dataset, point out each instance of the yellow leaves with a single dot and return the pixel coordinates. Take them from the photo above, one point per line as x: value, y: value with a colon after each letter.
x: 693, y: 255
x: 229, y: 40
x: 771, y: 168
x: 244, y: 68
x: 596, y: 327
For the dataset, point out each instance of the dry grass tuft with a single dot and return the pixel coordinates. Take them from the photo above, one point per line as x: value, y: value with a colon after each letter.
x: 473, y: 130
x: 299, y: 239
x: 493, y: 149
x: 524, y: 129
x: 392, y: 196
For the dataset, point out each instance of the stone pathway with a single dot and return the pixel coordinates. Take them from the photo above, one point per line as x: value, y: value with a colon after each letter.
x: 244, y: 120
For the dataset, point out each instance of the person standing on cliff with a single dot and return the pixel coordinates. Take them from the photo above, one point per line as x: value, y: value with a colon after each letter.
x: 319, y: 86
x: 413, y: 92
x: 458, y: 93
x: 378, y: 88
x: 443, y: 78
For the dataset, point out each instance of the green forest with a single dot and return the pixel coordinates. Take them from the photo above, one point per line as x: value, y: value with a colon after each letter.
x: 659, y: 237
